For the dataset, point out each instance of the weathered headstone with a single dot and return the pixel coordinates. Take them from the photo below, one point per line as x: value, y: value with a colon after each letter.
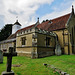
x: 9, y: 55
x: 1, y: 56
x: 58, y: 47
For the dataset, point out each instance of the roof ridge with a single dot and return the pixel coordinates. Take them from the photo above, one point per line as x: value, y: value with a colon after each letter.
x: 30, y: 26
x: 60, y: 16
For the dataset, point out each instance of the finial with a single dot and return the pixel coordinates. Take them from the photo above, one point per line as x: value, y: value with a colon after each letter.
x: 72, y: 9
x: 38, y: 19
x: 37, y: 22
x: 72, y: 6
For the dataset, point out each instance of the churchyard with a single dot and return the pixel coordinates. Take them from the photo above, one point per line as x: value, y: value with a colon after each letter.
x: 22, y: 65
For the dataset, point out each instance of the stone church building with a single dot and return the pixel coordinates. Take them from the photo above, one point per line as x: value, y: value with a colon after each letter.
x: 11, y: 40
x: 50, y: 37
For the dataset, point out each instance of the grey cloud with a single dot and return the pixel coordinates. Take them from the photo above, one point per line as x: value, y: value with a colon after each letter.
x: 1, y: 21
x: 22, y: 12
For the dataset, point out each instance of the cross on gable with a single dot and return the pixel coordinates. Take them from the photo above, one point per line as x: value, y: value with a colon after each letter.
x: 9, y: 55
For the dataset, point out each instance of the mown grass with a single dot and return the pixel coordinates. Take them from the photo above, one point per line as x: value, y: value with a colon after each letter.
x: 35, y: 66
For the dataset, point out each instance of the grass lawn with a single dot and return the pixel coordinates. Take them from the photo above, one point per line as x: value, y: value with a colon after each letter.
x: 35, y: 66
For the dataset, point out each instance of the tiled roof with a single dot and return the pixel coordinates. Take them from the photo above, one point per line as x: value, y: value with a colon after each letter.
x: 6, y: 41
x: 51, y: 25
x: 55, y: 24
x: 26, y: 28
x: 12, y: 36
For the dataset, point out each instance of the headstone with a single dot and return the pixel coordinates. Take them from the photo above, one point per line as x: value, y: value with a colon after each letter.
x: 9, y: 55
x: 58, y: 48
x: 1, y: 56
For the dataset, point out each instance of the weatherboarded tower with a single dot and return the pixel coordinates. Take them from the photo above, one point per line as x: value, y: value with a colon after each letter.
x: 16, y: 26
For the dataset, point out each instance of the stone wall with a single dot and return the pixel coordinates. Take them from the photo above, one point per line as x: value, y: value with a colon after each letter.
x: 71, y: 29
x: 5, y: 46
x: 35, y: 43
x: 45, y: 51
x: 28, y: 40
x: 64, y: 40
x: 24, y: 54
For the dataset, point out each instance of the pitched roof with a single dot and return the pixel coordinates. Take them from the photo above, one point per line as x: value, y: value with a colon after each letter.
x: 10, y: 40
x: 51, y: 25
x: 26, y: 28
x: 55, y: 24
x: 12, y: 36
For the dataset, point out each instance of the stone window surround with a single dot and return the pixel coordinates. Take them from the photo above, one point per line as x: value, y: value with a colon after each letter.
x: 23, y: 41
x: 48, y: 41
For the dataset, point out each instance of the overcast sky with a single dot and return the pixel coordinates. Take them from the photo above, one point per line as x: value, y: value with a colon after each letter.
x: 28, y: 10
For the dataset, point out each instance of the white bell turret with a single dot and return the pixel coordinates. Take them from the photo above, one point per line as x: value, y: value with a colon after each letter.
x: 16, y: 26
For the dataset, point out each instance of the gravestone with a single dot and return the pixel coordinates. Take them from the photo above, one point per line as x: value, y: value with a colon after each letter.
x: 1, y: 56
x: 9, y: 55
x: 58, y: 47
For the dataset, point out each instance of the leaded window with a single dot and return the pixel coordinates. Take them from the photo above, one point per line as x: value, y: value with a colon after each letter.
x: 23, y: 40
x: 47, y: 41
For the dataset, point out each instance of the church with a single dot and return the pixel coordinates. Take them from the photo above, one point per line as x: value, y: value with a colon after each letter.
x: 48, y: 38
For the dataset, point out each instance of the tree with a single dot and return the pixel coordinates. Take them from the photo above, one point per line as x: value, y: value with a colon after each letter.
x: 5, y: 32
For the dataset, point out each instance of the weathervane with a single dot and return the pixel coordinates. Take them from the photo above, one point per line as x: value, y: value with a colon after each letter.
x: 17, y: 18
